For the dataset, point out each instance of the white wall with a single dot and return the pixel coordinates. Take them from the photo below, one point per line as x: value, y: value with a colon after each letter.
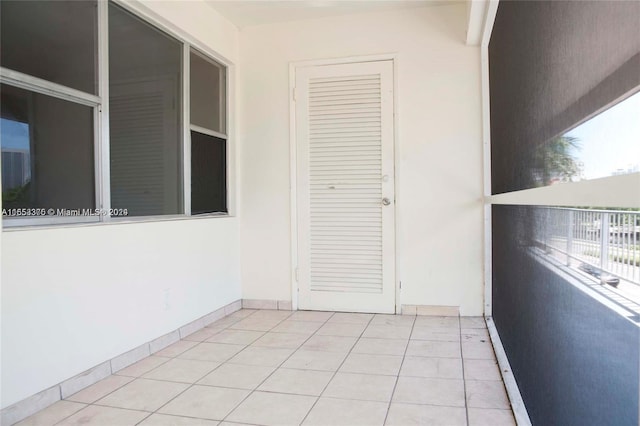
x: 74, y: 297
x: 439, y: 179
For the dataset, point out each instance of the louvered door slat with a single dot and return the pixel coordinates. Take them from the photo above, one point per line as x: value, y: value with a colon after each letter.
x: 334, y: 261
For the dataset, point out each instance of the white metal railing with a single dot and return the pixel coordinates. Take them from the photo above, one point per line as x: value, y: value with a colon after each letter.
x: 605, y: 239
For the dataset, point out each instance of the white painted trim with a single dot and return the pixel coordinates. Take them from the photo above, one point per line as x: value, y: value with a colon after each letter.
x: 207, y: 132
x: 476, y: 13
x: 517, y: 404
x: 38, y: 85
x: 232, y: 146
x: 293, y: 170
x: 490, y: 15
x: 595, y: 193
x: 102, y: 141
x: 396, y: 190
x: 186, y: 128
x: 293, y: 176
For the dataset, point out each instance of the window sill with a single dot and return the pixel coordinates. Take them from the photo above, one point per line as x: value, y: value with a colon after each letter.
x: 8, y: 226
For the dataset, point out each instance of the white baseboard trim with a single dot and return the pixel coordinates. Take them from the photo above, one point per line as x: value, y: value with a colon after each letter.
x: 517, y: 404
x: 41, y: 400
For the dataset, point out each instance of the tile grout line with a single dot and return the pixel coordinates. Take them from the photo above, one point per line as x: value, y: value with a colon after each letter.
x: 339, y: 367
x: 279, y: 365
x: 464, y: 379
x: 404, y: 354
x: 112, y: 373
x: 193, y: 384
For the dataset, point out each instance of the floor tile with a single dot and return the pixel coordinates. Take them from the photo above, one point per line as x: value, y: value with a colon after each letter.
x: 225, y: 322
x: 429, y: 391
x: 480, y: 332
x: 435, y: 334
x: 95, y: 415
x: 486, y: 394
x: 167, y: 420
x: 472, y: 322
x: 281, y: 340
x: 217, y: 352
x: 472, y: 350
x: 490, y: 417
x: 395, y: 320
x: 329, y: 343
x: 372, y: 364
x: 100, y: 389
x: 182, y: 370
x: 432, y: 415
x: 299, y: 382
x: 176, y: 348
x: 315, y: 360
x: 388, y: 331
x: 276, y: 409
x: 267, y: 357
x: 361, y: 386
x: 236, y: 337
x: 250, y: 323
x: 237, y: 376
x: 301, y: 327
x: 438, y: 323
x: 481, y: 369
x: 242, y: 313
x: 311, y: 316
x: 143, y: 394
x: 368, y: 345
x: 349, y: 318
x: 203, y: 334
x: 433, y: 349
x: 52, y: 414
x: 341, y: 329
x: 145, y: 365
x: 205, y: 402
x: 341, y: 412
x: 439, y: 368
x: 271, y: 315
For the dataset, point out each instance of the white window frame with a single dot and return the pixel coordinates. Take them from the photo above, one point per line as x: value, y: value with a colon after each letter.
x: 100, y: 105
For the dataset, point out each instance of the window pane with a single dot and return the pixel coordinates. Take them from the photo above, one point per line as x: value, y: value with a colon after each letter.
x: 47, y: 151
x: 207, y: 94
x: 208, y: 174
x: 52, y: 40
x: 144, y: 82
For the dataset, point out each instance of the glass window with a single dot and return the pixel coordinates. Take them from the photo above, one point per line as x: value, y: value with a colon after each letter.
x: 208, y: 81
x: 47, y: 151
x: 145, y: 70
x: 208, y: 174
x: 51, y: 40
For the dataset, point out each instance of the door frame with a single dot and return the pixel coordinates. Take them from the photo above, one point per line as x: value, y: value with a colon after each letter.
x: 293, y: 165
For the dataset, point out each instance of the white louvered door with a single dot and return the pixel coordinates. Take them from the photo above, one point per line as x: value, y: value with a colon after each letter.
x: 345, y: 187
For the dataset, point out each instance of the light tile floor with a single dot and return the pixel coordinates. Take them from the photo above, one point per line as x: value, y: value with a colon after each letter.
x: 263, y: 367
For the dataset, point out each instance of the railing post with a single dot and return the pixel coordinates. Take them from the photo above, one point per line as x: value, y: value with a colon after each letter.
x: 604, y: 240
x: 569, y: 237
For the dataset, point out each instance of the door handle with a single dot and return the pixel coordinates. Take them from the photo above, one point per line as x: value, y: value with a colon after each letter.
x: 386, y: 201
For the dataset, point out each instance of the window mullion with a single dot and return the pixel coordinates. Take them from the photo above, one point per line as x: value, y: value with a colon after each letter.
x: 186, y: 128
x: 103, y: 173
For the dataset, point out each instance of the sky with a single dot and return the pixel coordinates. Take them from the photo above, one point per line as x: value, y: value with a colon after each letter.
x: 13, y: 134
x: 610, y: 140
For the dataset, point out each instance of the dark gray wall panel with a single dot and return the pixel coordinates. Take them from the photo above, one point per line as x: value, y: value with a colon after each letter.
x: 576, y: 361
x: 552, y: 64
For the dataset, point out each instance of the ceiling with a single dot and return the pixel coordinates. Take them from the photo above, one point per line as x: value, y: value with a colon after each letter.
x: 247, y: 13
